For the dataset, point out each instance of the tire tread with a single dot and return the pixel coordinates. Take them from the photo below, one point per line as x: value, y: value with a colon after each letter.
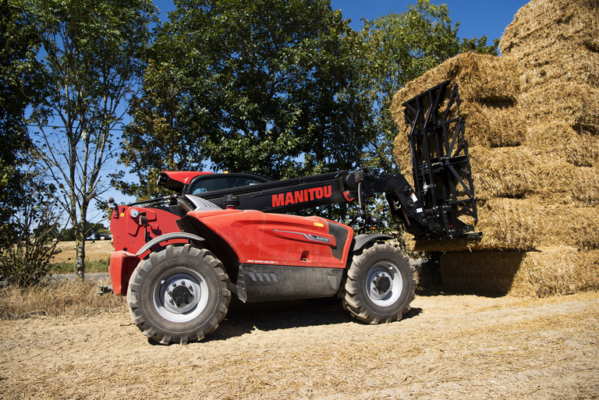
x: 142, y: 271
x: 352, y: 295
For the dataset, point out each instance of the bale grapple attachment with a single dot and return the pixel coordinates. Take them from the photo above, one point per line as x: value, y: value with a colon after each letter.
x: 440, y: 163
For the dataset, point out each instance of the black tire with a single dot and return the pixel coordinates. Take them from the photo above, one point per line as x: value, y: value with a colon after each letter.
x: 197, y: 287
x: 379, y: 285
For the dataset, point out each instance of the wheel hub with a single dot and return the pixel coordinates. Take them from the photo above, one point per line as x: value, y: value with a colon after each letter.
x: 181, y: 295
x: 382, y: 283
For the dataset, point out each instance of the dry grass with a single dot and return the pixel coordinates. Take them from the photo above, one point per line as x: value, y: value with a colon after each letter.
x: 96, y: 250
x: 56, y: 298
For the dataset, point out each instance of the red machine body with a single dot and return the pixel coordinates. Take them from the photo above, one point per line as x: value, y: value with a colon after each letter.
x: 129, y: 232
x: 256, y: 238
x: 275, y: 239
x: 122, y: 265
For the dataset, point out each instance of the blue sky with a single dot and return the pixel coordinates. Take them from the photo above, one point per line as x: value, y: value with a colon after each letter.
x: 477, y: 18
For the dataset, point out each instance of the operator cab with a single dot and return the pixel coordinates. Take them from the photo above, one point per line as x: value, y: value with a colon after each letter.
x: 204, y: 184
x: 190, y: 183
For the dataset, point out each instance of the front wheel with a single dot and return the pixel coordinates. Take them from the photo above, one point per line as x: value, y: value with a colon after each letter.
x: 179, y: 294
x: 380, y: 284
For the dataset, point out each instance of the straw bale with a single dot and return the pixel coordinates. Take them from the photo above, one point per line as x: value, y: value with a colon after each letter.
x: 506, y: 224
x: 523, y: 224
x: 574, y: 104
x: 555, y: 270
x: 489, y: 124
x: 521, y: 172
x: 560, y: 140
x: 532, y: 122
x: 564, y: 63
x: 541, y: 24
x: 480, y: 77
x: 503, y: 172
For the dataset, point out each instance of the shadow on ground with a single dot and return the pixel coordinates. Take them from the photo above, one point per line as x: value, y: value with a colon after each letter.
x: 244, y: 318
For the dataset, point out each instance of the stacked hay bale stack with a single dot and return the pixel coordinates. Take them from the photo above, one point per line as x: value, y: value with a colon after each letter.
x: 532, y: 121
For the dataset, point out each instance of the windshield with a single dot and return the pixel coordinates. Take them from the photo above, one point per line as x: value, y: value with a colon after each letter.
x: 220, y: 182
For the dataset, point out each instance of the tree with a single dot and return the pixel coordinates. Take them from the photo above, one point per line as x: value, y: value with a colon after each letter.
x: 28, y: 239
x: 398, y: 48
x: 95, y: 55
x: 20, y: 85
x: 261, y: 85
x: 162, y: 135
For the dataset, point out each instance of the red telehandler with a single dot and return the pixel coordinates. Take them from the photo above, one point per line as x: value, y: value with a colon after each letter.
x: 178, y: 259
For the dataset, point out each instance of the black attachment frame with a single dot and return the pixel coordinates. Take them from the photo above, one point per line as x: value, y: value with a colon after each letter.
x: 440, y: 162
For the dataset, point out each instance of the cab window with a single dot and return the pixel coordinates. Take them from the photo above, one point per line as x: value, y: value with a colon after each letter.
x: 220, y: 182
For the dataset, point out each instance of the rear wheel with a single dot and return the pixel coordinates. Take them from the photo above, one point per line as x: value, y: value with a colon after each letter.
x: 179, y: 294
x: 379, y: 286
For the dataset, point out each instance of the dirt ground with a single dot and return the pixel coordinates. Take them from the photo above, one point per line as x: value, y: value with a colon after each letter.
x: 446, y: 347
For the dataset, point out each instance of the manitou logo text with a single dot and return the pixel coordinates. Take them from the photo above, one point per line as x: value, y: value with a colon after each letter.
x: 301, y: 196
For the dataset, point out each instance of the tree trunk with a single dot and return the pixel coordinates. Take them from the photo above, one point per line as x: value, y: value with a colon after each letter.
x: 80, y: 242
x: 80, y: 256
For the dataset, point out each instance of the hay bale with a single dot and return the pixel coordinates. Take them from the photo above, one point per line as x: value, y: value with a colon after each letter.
x: 523, y: 173
x: 522, y: 225
x: 549, y: 271
x: 492, y: 124
x: 574, y: 104
x: 488, y: 88
x: 480, y: 78
x: 532, y: 122
x: 542, y: 25
x: 506, y: 224
x: 559, y: 140
x: 566, y: 63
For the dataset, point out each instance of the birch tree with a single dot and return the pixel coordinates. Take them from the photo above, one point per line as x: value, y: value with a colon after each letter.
x: 95, y: 55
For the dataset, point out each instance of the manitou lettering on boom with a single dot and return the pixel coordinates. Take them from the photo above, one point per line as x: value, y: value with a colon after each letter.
x: 301, y: 196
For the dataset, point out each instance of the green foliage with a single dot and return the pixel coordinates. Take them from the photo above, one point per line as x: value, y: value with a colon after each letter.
x: 27, y: 241
x: 20, y: 85
x: 162, y: 136
x: 260, y: 85
x: 95, y: 55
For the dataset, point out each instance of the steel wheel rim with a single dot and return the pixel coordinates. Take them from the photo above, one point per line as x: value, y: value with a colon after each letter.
x: 380, y: 272
x: 187, y: 281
